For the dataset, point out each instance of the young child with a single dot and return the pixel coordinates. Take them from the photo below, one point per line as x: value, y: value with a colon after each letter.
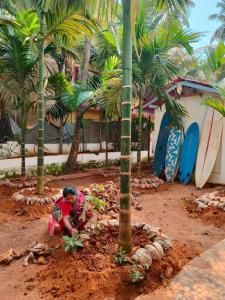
x: 67, y: 212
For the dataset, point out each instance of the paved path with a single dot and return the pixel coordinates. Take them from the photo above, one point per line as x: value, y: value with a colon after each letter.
x: 202, y: 279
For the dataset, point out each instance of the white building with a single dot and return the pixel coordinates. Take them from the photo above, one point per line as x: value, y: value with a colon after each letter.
x: 190, y: 94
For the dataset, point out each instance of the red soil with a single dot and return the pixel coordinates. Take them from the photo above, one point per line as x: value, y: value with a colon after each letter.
x: 92, y: 274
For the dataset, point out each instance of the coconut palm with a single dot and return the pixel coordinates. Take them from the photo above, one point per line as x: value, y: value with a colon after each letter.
x: 219, y: 34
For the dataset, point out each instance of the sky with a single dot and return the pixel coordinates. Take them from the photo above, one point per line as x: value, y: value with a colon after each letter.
x: 199, y: 20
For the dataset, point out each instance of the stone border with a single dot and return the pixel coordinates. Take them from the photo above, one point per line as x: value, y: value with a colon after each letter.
x: 23, y: 184
x: 211, y: 200
x: 154, y: 251
x: 36, y: 199
x: 146, y: 182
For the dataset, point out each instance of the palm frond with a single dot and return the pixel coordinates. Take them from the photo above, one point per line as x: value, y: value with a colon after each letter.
x: 16, y: 61
x: 176, y: 110
x: 66, y: 25
x: 218, y: 105
x: 59, y: 84
x: 79, y: 99
x: 172, y: 4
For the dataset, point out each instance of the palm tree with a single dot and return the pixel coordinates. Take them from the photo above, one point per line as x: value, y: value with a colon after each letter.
x: 70, y: 164
x: 98, y: 10
x: 156, y: 67
x: 79, y: 101
x: 56, y: 21
x: 59, y: 85
x: 219, y: 34
x: 18, y: 76
x: 124, y: 238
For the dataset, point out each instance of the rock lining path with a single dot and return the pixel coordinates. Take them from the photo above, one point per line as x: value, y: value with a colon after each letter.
x: 203, y: 278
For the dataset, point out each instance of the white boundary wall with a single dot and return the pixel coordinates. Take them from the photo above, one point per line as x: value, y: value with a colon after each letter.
x: 197, y: 113
x: 12, y: 149
x: 31, y: 162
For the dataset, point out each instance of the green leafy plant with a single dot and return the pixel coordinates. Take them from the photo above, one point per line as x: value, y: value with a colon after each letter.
x: 95, y: 164
x: 98, y: 188
x: 72, y: 243
x: 97, y: 203
x: 54, y: 169
x: 136, y: 275
x: 8, y: 174
x: 120, y: 258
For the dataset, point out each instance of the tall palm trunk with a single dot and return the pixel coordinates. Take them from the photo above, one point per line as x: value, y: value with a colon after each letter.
x: 100, y: 129
x: 41, y: 114
x: 86, y: 60
x: 149, y: 137
x: 70, y: 164
x: 23, y: 136
x: 106, y: 143
x: 124, y: 238
x: 61, y: 136
x: 2, y: 110
x: 139, y: 137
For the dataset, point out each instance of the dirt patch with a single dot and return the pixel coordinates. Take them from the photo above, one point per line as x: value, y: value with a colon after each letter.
x: 11, y: 210
x: 209, y: 215
x: 67, y: 276
x: 167, y: 210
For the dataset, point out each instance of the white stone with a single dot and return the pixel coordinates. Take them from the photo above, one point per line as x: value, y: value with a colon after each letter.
x: 202, y: 206
x: 113, y: 223
x: 164, y: 241
x: 139, y: 225
x: 151, y: 229
x: 84, y: 237
x: 104, y: 223
x: 153, y: 252
x: 142, y: 257
x: 159, y: 248
x: 220, y: 205
x: 215, y: 203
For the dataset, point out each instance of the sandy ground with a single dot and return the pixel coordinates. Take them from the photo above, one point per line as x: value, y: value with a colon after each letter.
x: 167, y: 209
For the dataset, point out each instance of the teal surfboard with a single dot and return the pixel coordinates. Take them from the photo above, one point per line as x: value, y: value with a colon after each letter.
x: 160, y: 150
x: 189, y: 153
x: 172, y: 154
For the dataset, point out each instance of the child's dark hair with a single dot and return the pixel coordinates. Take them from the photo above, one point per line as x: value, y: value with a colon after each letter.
x: 69, y: 190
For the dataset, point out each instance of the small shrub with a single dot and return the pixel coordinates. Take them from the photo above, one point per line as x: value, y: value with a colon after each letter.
x: 136, y: 275
x: 97, y: 203
x: 9, y: 174
x: 120, y: 258
x: 54, y: 169
x: 72, y: 243
x: 95, y: 164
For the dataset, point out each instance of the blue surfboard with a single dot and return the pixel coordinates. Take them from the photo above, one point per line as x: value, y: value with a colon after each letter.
x: 172, y: 154
x: 189, y: 153
x: 160, y: 150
